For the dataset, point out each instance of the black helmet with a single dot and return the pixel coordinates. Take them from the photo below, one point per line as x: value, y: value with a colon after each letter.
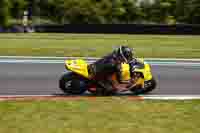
x: 125, y: 53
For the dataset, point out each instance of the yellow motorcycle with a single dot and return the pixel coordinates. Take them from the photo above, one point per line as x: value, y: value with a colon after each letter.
x: 79, y: 79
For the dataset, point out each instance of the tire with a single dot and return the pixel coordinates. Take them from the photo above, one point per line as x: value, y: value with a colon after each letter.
x: 70, y: 83
x: 149, y: 86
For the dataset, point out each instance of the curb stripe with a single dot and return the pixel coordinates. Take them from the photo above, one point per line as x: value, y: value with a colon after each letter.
x: 53, y: 97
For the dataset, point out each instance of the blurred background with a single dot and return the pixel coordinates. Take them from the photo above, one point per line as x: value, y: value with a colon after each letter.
x: 99, y: 11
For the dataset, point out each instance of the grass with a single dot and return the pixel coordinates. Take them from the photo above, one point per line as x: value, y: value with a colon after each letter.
x: 101, y: 115
x: 35, y: 44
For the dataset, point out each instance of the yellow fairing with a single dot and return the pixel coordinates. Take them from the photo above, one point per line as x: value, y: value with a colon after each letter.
x: 146, y: 72
x: 125, y: 71
x: 78, y: 66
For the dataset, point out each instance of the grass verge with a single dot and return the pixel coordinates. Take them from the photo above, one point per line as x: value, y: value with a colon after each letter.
x: 100, y: 115
x: 98, y: 45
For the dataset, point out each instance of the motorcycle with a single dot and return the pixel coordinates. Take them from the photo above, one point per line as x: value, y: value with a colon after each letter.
x: 79, y: 79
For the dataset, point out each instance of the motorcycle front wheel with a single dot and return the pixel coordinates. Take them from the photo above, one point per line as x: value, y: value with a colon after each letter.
x: 148, y: 87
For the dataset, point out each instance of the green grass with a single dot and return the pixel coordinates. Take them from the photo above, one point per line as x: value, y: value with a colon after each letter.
x: 98, y: 45
x: 101, y: 115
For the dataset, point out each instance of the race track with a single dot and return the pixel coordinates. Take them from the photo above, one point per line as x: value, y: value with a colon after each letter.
x: 42, y: 79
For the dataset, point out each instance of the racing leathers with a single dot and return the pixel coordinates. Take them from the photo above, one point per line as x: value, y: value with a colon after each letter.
x: 105, y: 67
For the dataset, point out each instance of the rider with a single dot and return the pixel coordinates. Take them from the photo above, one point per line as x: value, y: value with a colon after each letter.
x: 112, y: 63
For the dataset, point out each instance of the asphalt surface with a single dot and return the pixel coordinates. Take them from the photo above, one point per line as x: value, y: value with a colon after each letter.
x: 42, y: 79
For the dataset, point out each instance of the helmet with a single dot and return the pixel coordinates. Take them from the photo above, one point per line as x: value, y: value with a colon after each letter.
x: 125, y: 53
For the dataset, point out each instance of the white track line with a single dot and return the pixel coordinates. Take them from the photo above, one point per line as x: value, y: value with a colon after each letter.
x: 171, y: 97
x: 92, y: 58
x: 45, y: 57
x: 38, y: 61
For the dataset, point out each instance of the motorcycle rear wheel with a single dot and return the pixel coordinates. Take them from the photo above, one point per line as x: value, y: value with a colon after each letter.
x: 70, y: 83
